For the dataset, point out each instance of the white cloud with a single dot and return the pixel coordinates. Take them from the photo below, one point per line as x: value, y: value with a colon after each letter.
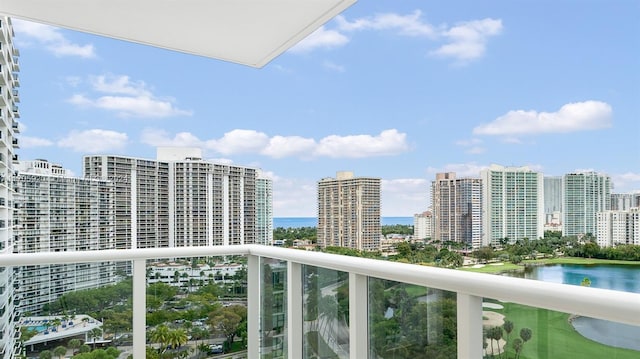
x: 127, y: 98
x: 463, y: 42
x: 94, y: 141
x: 626, y: 182
x: 289, y: 146
x: 468, y: 40
x: 294, y: 197
x: 239, y: 141
x: 321, y: 38
x: 32, y: 142
x: 388, y: 142
x: 160, y: 138
x: 242, y: 141
x: 572, y: 117
x: 408, y: 25
x: 404, y: 196
x: 52, y: 39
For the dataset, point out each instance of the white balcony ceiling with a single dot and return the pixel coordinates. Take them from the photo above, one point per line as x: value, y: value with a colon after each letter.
x: 249, y: 32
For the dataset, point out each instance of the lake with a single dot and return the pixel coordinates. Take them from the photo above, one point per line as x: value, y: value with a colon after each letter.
x: 624, y: 278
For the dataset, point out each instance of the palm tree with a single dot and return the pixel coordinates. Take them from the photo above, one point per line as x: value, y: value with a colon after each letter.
x: 525, y: 335
x: 74, y: 344
x: 161, y: 335
x: 508, y: 328
x: 45, y: 354
x: 94, y: 334
x: 517, y: 346
x: 60, y: 351
x: 84, y: 348
x: 494, y: 333
x: 177, y: 338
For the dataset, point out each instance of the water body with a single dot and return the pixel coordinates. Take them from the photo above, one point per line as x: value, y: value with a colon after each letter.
x: 299, y: 222
x: 616, y: 277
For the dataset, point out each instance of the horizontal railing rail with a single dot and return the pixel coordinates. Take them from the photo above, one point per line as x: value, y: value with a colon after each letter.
x: 604, y: 304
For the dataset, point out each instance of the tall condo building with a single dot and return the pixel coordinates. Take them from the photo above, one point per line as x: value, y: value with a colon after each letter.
x: 264, y: 210
x: 349, y: 212
x: 618, y: 227
x: 423, y: 225
x: 9, y: 112
x: 457, y: 209
x: 179, y: 199
x: 553, y: 202
x: 58, y: 213
x: 585, y: 194
x: 512, y: 204
x: 623, y: 201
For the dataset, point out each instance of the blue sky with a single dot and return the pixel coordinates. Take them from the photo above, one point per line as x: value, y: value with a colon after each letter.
x: 398, y: 90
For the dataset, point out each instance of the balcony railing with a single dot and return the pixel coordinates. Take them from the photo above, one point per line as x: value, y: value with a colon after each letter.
x: 470, y: 290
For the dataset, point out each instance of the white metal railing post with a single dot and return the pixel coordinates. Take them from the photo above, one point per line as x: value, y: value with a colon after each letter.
x: 295, y: 318
x: 139, y: 308
x: 253, y: 307
x: 358, y: 316
x: 469, y: 312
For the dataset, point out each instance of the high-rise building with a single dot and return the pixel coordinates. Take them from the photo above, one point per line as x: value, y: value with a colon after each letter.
x: 179, y: 199
x: 553, y: 202
x: 512, y: 204
x: 423, y: 225
x: 457, y: 209
x: 585, y: 194
x: 618, y: 227
x: 623, y: 201
x: 349, y: 212
x: 9, y: 112
x: 58, y: 213
x: 264, y: 210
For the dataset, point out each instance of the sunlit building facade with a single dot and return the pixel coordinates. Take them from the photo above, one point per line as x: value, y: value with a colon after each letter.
x: 349, y: 212
x: 512, y: 204
x: 423, y: 225
x: 457, y: 208
x: 585, y: 194
x: 178, y: 199
x: 9, y: 113
x: 264, y: 210
x: 55, y: 212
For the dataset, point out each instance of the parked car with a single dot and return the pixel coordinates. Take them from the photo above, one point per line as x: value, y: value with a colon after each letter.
x: 215, y: 349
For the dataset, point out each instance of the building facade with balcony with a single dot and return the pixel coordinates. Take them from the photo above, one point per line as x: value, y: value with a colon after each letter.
x: 423, y: 225
x: 457, y: 209
x: 9, y: 113
x: 349, y: 212
x: 584, y: 195
x: 178, y: 199
x: 264, y: 210
x: 512, y: 204
x: 55, y: 212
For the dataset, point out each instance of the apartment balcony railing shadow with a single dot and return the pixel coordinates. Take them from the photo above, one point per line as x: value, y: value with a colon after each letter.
x: 359, y: 276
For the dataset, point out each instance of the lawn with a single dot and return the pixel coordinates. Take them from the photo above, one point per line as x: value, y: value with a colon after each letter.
x: 554, y: 337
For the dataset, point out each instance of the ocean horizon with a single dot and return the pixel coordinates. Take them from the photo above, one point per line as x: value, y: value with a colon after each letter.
x: 299, y: 222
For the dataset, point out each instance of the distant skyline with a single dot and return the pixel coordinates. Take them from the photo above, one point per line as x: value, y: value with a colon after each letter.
x: 395, y: 90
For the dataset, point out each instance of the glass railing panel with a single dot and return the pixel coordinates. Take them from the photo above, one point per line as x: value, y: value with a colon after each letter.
x: 326, y: 313
x: 410, y: 321
x: 273, y: 309
x: 67, y: 309
x: 513, y: 330
x: 196, y: 307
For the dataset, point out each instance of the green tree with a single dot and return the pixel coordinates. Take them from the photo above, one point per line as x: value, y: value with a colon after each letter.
x: 586, y: 282
x: 508, y: 328
x: 74, y: 344
x: 517, y: 346
x: 94, y: 334
x: 161, y: 335
x: 177, y: 338
x: 84, y: 348
x: 227, y: 321
x: 525, y: 335
x: 60, y: 351
x: 45, y: 354
x: 494, y: 334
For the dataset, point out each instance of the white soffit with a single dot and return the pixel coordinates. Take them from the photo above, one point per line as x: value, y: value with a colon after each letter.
x: 249, y: 32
